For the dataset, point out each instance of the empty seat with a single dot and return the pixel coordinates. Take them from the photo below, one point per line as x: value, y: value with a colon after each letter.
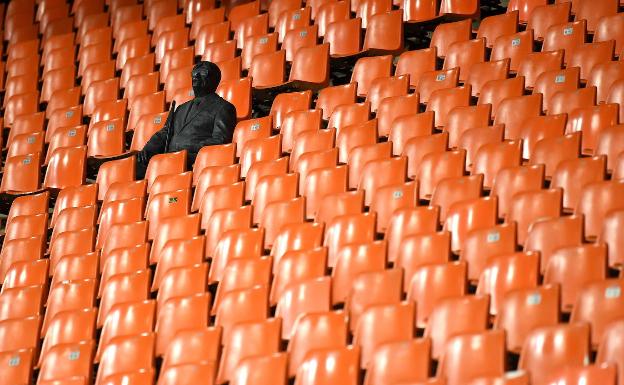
x: 344, y: 38
x: 179, y: 313
x: 495, y: 91
x: 384, y: 33
x: 368, y: 69
x: 21, y: 249
x: 20, y: 333
x: 609, y: 236
x: 473, y: 139
x: 330, y: 97
x: 163, y: 164
x: 500, y: 240
x: 596, y: 200
x: 331, y: 12
x: 432, y: 283
x: 386, y: 87
x: 233, y: 244
x: 545, y: 16
x: 454, y: 316
x: 460, y: 119
x: 349, y: 114
x: 609, y: 27
x: 584, y: 10
x: 415, y: 63
x: 292, y: 19
x: 315, y: 369
x: 17, y: 366
x: 535, y: 64
x: 567, y: 37
x: 114, y: 171
x: 483, y: 72
x: 464, y: 54
x: 21, y: 302
x: 435, y: 80
x: 603, y: 75
x: 216, y: 32
x: 21, y: 174
x: 574, y: 267
x: 324, y: 337
x: 616, y: 95
x: 127, y: 354
x: 69, y: 295
x: 248, y: 339
x: 400, y: 361
x: 591, y: 121
x: 178, y: 253
x: 258, y: 44
x: 515, y: 47
x: 469, y: 356
x: 451, y: 190
x: 353, y: 260
x: 529, y: 206
x: 270, y: 369
x: 311, y: 295
x: 590, y: 374
x: 537, y: 128
x: 145, y: 104
x: 539, y: 307
x: 598, y: 304
x: 572, y: 175
x: 586, y: 56
x: 26, y: 273
x: 493, y: 157
x: 492, y: 27
x: 561, y: 345
x: 551, y: 151
x: 447, y: 33
x: 193, y: 346
x: 436, y: 166
x: 69, y: 327
x: 297, y: 266
x: 505, y: 273
x: 468, y: 215
x: 368, y: 335
x: 610, y: 346
x: 541, y: 236
x: 373, y: 288
x: 67, y: 360
x: 442, y: 101
x: 302, y: 236
x: 66, y: 167
x: 405, y: 127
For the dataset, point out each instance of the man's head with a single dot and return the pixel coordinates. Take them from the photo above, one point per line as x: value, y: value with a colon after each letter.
x: 206, y: 77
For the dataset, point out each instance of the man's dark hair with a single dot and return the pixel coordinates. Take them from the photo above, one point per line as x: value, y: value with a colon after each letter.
x: 205, y: 77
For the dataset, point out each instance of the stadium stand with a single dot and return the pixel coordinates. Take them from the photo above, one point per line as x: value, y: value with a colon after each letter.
x: 417, y: 192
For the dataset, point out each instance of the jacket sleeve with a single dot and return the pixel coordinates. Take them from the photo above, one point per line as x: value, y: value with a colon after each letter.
x: 156, y: 144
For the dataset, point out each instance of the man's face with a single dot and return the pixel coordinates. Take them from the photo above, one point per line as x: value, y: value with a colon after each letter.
x: 197, y: 80
x: 205, y: 78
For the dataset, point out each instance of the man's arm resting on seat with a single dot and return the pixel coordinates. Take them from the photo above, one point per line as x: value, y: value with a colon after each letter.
x: 156, y: 144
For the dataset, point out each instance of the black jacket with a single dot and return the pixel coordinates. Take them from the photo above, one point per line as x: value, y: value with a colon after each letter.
x: 203, y: 121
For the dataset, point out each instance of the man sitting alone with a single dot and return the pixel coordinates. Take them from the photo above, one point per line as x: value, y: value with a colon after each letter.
x: 206, y: 120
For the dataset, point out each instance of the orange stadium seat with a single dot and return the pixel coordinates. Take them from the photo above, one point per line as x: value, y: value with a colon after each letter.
x: 608, y: 27
x: 315, y: 369
x: 545, y: 16
x: 469, y: 356
x: 567, y: 345
x: 610, y: 346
